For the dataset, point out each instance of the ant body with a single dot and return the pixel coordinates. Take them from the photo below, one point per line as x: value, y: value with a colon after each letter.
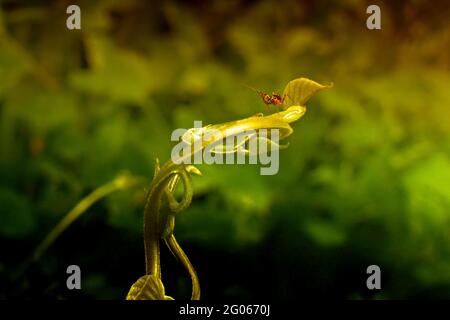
x: 275, y: 99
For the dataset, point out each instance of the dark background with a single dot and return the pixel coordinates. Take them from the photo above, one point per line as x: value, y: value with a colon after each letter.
x: 366, y: 179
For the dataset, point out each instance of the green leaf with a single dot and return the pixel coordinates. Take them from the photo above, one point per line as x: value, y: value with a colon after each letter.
x: 300, y: 90
x: 44, y: 110
x: 15, y: 214
x: 13, y: 64
x: 147, y: 287
x: 325, y: 233
x: 428, y: 191
x: 116, y: 73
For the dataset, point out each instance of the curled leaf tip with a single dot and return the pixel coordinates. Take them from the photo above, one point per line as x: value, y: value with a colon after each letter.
x: 194, y: 170
x: 300, y: 90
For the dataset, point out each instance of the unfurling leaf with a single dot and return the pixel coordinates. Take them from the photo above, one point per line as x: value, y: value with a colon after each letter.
x: 299, y: 91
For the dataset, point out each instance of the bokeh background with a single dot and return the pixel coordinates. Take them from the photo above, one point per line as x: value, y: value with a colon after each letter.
x: 366, y: 179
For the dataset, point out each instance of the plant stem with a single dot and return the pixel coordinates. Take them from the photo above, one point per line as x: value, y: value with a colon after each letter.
x: 121, y: 182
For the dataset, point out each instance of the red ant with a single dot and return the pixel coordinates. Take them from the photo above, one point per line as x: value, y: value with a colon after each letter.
x: 275, y: 99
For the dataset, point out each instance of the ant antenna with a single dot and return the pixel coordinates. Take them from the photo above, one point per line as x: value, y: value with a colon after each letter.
x: 251, y: 88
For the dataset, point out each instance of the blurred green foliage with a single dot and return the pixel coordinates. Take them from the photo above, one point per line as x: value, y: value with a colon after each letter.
x: 366, y: 179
